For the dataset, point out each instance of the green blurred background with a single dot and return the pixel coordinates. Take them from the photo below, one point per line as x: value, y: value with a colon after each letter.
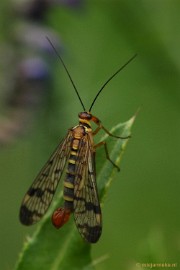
x: 141, y: 220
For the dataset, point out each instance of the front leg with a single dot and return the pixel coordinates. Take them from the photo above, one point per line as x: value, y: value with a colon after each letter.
x: 100, y: 126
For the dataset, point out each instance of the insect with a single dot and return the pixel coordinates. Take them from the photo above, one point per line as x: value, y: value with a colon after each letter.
x: 76, y: 153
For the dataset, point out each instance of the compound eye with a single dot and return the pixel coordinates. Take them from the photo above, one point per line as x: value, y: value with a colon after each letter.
x: 85, y: 115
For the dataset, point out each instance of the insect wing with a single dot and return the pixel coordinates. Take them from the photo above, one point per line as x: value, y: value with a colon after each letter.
x: 87, y: 211
x: 39, y: 196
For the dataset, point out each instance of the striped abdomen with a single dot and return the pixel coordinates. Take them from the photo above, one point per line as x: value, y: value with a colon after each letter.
x: 78, y: 134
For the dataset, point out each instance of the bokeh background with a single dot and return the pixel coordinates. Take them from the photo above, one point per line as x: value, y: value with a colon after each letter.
x: 141, y: 220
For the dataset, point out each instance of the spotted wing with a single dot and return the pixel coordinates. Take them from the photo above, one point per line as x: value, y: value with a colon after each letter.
x: 87, y: 211
x: 39, y: 196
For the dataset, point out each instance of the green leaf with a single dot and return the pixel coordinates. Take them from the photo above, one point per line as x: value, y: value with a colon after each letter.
x: 65, y: 249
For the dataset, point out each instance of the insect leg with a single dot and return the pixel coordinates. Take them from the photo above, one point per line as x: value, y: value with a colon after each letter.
x: 103, y: 143
x: 100, y: 126
x: 96, y: 130
x: 112, y: 135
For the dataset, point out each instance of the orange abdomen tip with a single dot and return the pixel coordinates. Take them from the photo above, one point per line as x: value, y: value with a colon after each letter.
x: 60, y: 217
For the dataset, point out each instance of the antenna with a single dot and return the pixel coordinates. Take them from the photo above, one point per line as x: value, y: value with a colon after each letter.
x: 121, y: 68
x: 58, y: 55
